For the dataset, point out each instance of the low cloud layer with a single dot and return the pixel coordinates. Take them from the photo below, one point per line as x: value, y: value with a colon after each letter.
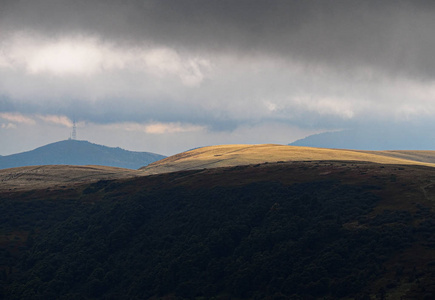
x: 190, y: 70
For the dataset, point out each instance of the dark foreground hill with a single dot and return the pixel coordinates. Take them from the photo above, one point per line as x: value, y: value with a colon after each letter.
x: 295, y: 230
x: 72, y: 152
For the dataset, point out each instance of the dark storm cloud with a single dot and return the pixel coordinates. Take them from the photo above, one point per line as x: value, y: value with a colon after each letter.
x: 391, y: 36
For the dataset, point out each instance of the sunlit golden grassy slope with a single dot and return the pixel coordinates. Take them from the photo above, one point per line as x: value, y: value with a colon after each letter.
x: 415, y: 155
x: 233, y: 155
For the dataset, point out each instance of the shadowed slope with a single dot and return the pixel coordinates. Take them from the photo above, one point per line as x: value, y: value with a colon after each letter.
x: 294, y: 230
x: 40, y: 177
x: 234, y: 155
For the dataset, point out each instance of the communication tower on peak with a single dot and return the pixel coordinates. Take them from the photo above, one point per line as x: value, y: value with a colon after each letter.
x: 74, y: 131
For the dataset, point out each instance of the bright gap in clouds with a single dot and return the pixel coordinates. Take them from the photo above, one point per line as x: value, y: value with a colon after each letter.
x: 17, y: 118
x: 90, y: 56
x: 155, y: 127
x: 66, y: 57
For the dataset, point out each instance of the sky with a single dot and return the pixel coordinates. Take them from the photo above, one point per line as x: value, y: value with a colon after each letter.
x: 168, y: 76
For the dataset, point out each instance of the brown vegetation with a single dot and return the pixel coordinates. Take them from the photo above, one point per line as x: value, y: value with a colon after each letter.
x: 41, y: 177
x: 235, y: 155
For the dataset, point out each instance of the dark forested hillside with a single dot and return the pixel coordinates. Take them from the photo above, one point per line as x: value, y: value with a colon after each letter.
x: 273, y: 231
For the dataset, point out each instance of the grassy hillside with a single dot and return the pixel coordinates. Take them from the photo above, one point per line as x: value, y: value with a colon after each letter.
x: 424, y: 156
x: 290, y: 230
x: 234, y: 155
x: 39, y: 177
x: 56, y: 176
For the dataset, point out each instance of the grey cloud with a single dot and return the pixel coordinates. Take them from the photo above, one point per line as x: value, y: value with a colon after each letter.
x: 393, y: 36
x: 115, y: 110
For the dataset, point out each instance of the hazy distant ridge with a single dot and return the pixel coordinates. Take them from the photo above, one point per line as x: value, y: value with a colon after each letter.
x: 72, y: 152
x: 373, y: 138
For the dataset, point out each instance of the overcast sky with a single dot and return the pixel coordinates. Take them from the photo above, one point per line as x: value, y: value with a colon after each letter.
x: 167, y: 76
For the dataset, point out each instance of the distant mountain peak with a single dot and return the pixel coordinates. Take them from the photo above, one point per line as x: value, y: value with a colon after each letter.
x: 79, y: 152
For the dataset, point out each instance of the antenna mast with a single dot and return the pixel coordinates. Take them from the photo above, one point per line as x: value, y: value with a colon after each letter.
x: 74, y: 131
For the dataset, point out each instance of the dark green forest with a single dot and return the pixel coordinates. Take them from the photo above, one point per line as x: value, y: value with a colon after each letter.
x: 259, y: 239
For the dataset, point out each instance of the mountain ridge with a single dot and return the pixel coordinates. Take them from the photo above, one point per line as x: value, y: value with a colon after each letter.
x: 205, y: 158
x: 377, y: 137
x: 74, y: 152
x: 236, y: 155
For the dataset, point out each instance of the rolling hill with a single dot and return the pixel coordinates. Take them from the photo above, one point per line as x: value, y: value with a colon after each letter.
x: 73, y: 152
x: 58, y: 176
x: 286, y: 230
x: 235, y: 155
x: 48, y: 176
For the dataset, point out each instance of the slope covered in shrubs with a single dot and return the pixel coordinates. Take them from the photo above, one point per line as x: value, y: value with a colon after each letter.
x: 294, y: 233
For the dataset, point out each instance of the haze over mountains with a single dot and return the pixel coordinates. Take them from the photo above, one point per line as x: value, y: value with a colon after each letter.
x: 73, y: 152
x: 374, y: 137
